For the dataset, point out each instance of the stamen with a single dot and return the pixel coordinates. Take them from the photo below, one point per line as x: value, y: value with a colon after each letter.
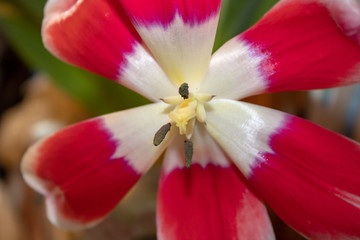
x: 188, y: 148
x: 161, y: 133
x: 204, y: 97
x: 184, y: 90
x: 174, y: 100
x: 200, y: 113
x: 188, y: 107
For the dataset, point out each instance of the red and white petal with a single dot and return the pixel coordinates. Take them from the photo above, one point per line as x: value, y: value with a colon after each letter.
x: 180, y: 34
x: 347, y: 16
x: 297, y: 45
x: 234, y: 72
x: 98, y: 36
x: 208, y: 200
x: 84, y: 170
x: 241, y: 129
x: 308, y: 175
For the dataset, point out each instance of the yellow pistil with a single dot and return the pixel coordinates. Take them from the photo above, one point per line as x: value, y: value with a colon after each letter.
x: 183, y: 114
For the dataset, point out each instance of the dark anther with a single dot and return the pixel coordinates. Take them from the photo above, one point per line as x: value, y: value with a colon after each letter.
x: 161, y: 133
x: 184, y: 90
x: 188, y: 147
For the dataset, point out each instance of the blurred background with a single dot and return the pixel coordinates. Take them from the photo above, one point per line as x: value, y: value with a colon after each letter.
x: 40, y: 94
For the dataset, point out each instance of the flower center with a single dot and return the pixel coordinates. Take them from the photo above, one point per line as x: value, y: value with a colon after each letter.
x: 189, y: 107
x: 183, y: 116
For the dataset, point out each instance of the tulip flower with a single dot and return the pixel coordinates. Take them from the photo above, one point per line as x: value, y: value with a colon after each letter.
x: 223, y: 157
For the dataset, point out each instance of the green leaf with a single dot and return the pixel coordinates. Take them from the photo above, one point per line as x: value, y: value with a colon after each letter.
x: 32, y: 10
